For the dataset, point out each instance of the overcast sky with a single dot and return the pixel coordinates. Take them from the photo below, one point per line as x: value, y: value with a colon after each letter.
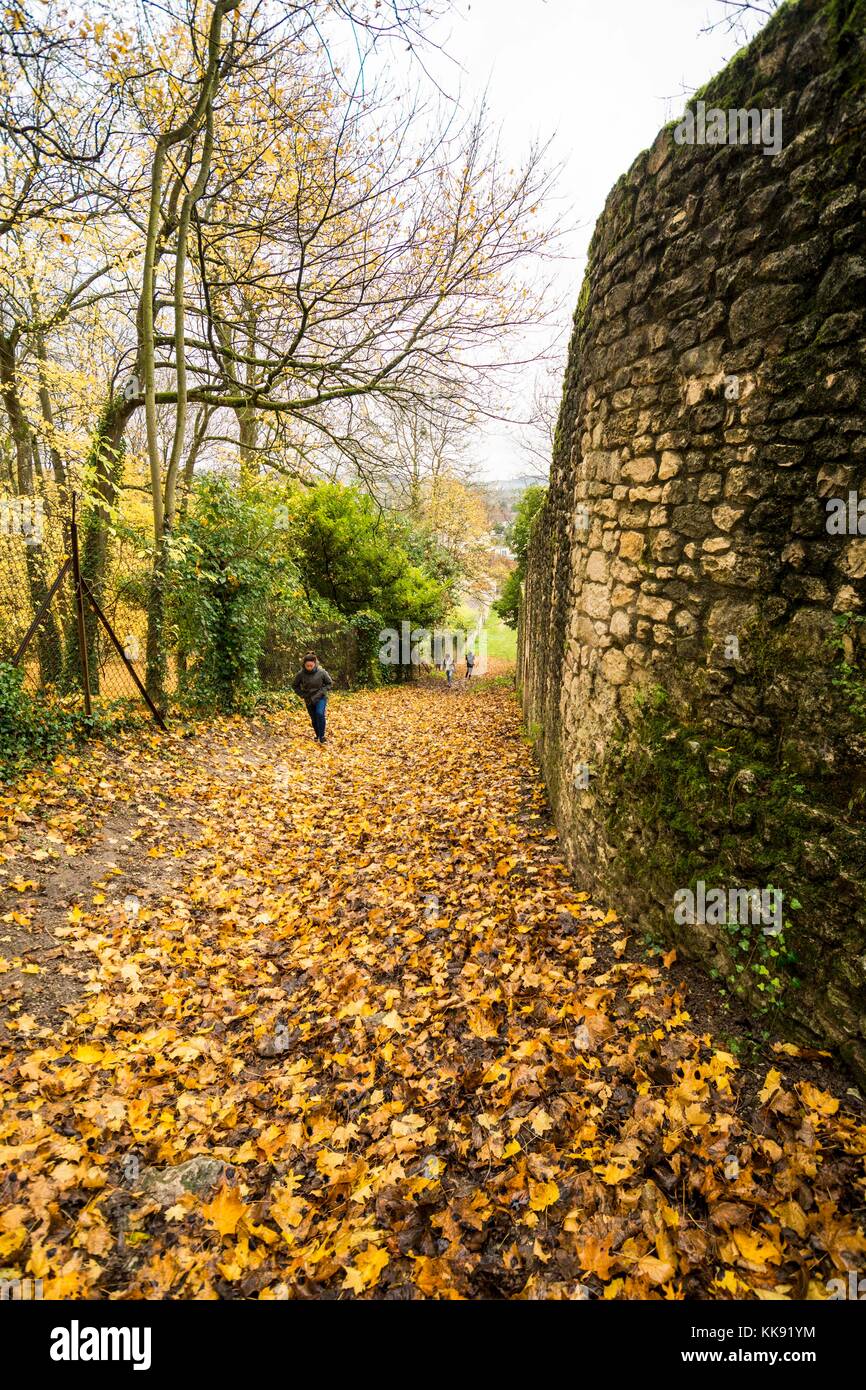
x: 602, y: 76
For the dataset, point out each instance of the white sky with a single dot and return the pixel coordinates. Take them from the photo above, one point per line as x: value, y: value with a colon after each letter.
x: 603, y: 76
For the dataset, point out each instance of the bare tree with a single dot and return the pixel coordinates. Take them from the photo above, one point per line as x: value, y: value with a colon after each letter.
x: 741, y: 17
x: 316, y: 262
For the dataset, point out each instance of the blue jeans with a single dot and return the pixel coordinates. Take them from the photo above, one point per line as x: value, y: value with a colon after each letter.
x: 317, y: 715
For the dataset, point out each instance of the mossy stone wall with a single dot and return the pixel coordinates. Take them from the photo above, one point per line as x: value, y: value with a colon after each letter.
x: 692, y: 640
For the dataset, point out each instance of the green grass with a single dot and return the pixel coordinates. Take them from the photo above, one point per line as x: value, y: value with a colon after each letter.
x: 501, y: 640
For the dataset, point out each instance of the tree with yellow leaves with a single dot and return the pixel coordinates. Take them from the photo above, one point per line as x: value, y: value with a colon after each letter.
x: 311, y: 260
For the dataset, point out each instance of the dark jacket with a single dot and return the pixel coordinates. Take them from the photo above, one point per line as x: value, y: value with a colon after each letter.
x: 312, y: 685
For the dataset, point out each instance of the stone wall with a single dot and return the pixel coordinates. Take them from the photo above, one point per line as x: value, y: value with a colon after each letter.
x: 691, y: 658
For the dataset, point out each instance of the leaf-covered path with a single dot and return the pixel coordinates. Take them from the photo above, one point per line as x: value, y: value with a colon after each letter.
x: 410, y: 1058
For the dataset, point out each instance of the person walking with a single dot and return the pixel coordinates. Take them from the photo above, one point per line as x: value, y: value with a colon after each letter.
x: 448, y: 666
x: 470, y: 662
x: 313, y: 683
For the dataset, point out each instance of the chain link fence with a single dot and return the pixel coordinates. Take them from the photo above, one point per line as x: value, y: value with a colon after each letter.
x: 49, y: 624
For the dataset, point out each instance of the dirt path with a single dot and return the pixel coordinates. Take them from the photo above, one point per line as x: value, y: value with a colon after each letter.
x: 410, y: 1058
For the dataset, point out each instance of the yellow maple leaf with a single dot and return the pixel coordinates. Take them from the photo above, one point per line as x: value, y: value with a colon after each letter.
x: 12, y: 1241
x: 771, y: 1084
x: 595, y: 1256
x: 756, y: 1249
x: 366, y: 1269
x: 655, y: 1270
x: 729, y: 1282
x: 226, y: 1210
x: 818, y: 1100
x: 695, y: 1117
x: 433, y: 1276
x: 541, y: 1121
x: 480, y: 1023
x: 615, y: 1172
x: 38, y: 1263
x: 542, y: 1195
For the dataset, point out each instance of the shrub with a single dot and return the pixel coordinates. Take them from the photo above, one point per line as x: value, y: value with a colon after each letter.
x: 35, y: 728
x: 222, y: 572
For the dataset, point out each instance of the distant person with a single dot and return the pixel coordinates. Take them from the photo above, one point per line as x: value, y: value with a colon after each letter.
x: 313, y: 683
x: 448, y: 667
x: 470, y: 662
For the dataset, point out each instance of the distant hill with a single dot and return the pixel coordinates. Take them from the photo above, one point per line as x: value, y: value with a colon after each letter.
x: 513, y: 487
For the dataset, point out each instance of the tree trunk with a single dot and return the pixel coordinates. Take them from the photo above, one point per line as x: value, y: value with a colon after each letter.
x: 157, y: 655
x: 164, y: 501
x: 49, y: 645
x: 106, y: 459
x: 57, y: 463
x: 247, y: 440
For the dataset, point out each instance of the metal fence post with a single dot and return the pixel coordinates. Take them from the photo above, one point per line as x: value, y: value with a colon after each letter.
x: 79, y: 611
